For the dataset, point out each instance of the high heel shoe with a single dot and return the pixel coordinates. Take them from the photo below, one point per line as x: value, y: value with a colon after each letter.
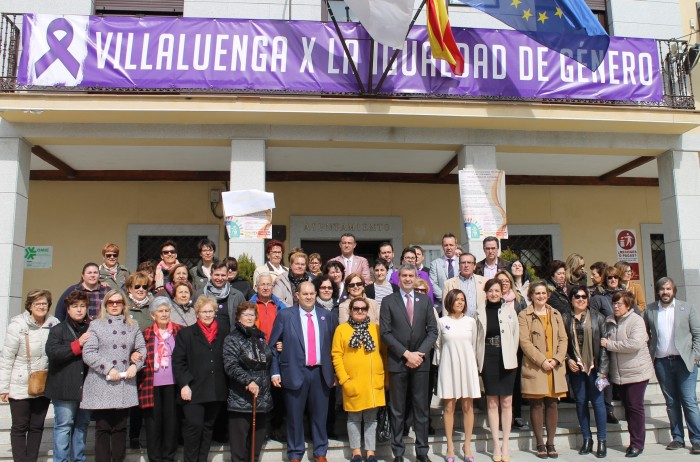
x: 586, y: 447
x: 496, y: 458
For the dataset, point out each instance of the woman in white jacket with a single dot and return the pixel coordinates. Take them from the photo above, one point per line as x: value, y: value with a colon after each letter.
x: 31, y: 329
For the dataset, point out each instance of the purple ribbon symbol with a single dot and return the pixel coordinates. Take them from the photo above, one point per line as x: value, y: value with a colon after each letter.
x: 58, y: 48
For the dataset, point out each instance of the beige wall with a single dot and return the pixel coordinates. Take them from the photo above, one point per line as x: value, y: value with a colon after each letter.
x: 78, y: 218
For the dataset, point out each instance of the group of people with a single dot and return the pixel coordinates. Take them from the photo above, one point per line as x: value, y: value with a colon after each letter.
x: 188, y: 352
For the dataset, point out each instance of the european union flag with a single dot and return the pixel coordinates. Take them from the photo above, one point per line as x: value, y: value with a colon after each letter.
x: 566, y: 26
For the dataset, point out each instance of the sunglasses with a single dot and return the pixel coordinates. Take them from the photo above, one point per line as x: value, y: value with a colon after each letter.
x: 352, y: 285
x: 421, y: 291
x: 169, y: 252
x: 115, y: 303
x: 111, y: 255
x: 613, y: 277
x: 580, y: 297
x: 140, y: 286
x: 360, y: 308
x: 325, y: 288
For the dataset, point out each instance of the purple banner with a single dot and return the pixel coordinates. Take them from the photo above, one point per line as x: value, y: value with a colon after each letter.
x: 300, y: 56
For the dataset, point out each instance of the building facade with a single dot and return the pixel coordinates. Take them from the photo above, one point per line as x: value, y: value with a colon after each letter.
x: 82, y: 168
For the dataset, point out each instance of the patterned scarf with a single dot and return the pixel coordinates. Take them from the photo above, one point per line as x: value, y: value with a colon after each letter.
x: 139, y: 303
x: 361, y: 335
x: 162, y: 356
x: 111, y: 271
x: 327, y: 304
x: 297, y: 280
x: 209, y: 332
x: 210, y: 290
x: 160, y: 278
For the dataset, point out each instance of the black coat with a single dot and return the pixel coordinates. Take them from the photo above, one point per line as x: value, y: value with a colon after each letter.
x: 200, y: 365
x: 247, y: 358
x: 599, y: 330
x: 67, y: 370
x: 558, y: 299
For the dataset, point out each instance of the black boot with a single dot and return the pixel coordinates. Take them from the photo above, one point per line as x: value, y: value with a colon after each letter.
x: 586, y: 447
x: 602, y: 450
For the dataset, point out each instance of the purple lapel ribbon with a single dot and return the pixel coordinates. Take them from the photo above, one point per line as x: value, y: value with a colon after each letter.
x: 58, y: 48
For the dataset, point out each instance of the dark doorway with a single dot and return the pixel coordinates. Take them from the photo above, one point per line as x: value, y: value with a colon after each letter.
x: 330, y: 249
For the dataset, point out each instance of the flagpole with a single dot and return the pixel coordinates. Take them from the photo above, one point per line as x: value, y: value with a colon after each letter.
x: 345, y: 48
x: 396, y: 52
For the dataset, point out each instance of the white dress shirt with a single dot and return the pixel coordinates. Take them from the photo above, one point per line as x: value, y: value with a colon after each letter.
x: 665, y: 331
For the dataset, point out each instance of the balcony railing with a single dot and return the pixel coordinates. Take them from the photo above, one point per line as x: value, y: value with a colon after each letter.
x: 677, y: 58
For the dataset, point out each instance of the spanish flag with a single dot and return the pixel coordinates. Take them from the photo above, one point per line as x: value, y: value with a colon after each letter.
x: 442, y: 42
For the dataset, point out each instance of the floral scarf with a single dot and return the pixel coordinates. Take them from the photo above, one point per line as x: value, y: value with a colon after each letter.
x: 162, y: 354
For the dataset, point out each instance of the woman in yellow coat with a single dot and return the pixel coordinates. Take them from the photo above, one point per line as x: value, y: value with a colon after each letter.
x: 359, y: 367
x: 543, y: 379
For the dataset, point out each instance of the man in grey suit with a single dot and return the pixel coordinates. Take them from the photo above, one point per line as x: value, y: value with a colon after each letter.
x: 409, y: 330
x: 445, y: 267
x: 674, y: 345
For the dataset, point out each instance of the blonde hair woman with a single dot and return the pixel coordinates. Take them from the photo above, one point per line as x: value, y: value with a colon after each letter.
x: 110, y: 386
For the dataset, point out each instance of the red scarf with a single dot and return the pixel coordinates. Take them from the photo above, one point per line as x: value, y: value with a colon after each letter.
x: 209, y: 332
x: 162, y: 354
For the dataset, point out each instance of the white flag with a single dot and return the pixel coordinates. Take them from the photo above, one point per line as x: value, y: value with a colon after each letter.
x: 386, y: 21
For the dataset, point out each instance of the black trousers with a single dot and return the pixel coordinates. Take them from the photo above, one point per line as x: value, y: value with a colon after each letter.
x: 198, y: 428
x: 135, y: 422
x: 28, y: 417
x: 162, y: 425
x: 417, y: 384
x: 279, y: 411
x: 240, y: 431
x: 110, y: 434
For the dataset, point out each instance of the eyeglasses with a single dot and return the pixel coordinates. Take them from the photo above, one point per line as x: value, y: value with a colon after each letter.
x: 207, y: 250
x: 40, y: 304
x: 140, y: 286
x: 613, y: 277
x: 580, y: 297
x: 421, y: 291
x: 169, y: 252
x: 360, y: 308
x: 115, y: 302
x: 326, y: 287
x: 111, y: 255
x: 352, y: 285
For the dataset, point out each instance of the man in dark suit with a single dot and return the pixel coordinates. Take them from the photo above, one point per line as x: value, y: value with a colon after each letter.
x: 409, y: 329
x: 674, y: 345
x: 304, y: 370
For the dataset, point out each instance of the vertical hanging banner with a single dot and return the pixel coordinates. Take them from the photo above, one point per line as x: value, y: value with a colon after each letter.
x: 626, y: 244
x: 248, y: 213
x: 482, y: 195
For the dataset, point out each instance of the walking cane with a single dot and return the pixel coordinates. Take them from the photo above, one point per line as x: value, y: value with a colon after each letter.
x: 252, y: 435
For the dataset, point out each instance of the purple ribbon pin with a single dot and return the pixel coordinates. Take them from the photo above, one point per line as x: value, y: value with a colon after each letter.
x: 58, y: 48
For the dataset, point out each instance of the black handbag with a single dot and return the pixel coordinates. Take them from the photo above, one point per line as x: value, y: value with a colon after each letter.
x: 383, y: 426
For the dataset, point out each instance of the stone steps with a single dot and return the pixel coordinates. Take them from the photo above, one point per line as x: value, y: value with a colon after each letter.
x: 568, y: 435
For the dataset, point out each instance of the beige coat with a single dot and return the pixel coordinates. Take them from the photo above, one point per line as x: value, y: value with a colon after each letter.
x: 344, y: 311
x: 533, y: 343
x: 456, y: 283
x: 508, y: 320
x: 630, y: 361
